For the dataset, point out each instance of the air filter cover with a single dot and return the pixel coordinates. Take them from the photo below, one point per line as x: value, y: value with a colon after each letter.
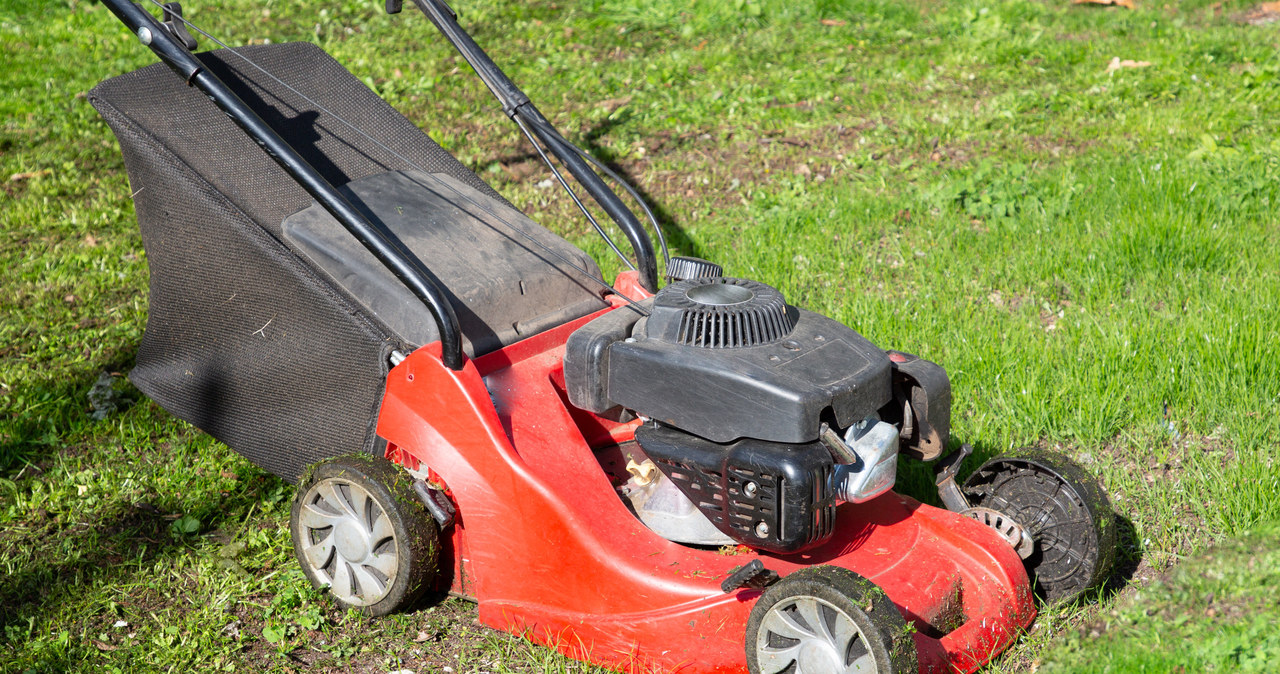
x: 720, y: 313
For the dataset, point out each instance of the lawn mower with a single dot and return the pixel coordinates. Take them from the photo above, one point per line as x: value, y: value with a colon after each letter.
x: 691, y: 476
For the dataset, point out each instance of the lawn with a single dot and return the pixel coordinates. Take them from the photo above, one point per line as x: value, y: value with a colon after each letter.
x: 1072, y: 208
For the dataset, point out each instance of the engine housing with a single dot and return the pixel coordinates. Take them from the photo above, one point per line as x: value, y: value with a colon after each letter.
x: 767, y: 495
x: 726, y: 359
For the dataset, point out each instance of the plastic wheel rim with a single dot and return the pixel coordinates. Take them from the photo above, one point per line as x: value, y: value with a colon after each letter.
x: 348, y: 541
x: 815, y: 636
x: 1061, y: 507
x: 1046, y: 512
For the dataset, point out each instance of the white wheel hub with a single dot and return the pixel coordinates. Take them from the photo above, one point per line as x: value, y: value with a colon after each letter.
x: 814, y: 635
x: 348, y: 541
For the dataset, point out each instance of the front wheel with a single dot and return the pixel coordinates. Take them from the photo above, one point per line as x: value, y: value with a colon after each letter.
x: 1064, y: 510
x: 827, y: 620
x: 359, y: 529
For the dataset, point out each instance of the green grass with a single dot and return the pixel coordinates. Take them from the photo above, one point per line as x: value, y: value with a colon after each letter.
x: 1091, y: 255
x: 1229, y: 593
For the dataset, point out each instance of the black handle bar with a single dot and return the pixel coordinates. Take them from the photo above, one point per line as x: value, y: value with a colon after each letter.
x: 516, y: 104
x: 406, y: 267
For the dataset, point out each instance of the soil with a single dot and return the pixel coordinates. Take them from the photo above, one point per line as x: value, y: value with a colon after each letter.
x: 684, y: 175
x: 1261, y: 15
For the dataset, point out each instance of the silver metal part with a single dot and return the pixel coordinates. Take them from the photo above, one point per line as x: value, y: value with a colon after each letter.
x: 667, y: 512
x: 349, y: 541
x: 836, y: 445
x: 954, y: 499
x: 908, y: 419
x: 719, y: 294
x: 805, y: 635
x: 948, y: 490
x: 437, y: 503
x: 874, y: 445
x: 144, y: 35
x: 398, y: 357
x: 1013, y: 533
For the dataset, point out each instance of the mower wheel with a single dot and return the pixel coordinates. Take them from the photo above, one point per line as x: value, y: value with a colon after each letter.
x: 827, y: 620
x: 359, y: 529
x: 1062, y: 507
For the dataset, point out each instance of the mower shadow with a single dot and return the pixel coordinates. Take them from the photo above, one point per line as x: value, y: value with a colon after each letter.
x: 678, y: 240
x: 1128, y: 557
x: 63, y: 403
x: 56, y: 556
x: 112, y: 544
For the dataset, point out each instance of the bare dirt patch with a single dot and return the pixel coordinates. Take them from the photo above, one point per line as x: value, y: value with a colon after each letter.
x: 689, y: 175
x: 1261, y: 15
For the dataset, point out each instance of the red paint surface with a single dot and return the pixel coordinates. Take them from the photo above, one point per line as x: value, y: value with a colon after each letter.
x: 546, y: 546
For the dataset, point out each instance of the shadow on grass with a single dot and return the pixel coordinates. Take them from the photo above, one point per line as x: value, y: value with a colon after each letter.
x: 677, y: 239
x: 37, y: 419
x: 1128, y: 558
x: 63, y: 557
x: 70, y: 570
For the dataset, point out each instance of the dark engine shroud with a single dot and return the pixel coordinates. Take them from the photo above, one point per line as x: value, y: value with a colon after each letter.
x: 769, y: 495
x: 796, y: 366
x: 737, y: 384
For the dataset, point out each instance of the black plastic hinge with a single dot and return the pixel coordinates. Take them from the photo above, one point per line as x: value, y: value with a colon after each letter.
x: 751, y: 575
x: 172, y: 20
x: 395, y: 6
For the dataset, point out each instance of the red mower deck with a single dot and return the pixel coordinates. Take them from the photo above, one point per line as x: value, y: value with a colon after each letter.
x: 563, y: 562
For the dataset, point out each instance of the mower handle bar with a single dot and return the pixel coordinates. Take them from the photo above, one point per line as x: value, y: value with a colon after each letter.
x: 516, y: 104
x: 375, y: 237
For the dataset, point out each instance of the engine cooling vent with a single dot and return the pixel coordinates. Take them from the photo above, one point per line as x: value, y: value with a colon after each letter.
x: 720, y: 313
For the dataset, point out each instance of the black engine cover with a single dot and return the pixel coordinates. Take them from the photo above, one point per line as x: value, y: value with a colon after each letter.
x: 727, y: 358
x: 775, y: 391
x: 790, y: 506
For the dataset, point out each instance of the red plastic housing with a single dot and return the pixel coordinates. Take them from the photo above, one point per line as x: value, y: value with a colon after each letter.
x: 546, y: 546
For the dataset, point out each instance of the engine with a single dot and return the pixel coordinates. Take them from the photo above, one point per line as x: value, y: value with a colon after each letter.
x: 763, y: 415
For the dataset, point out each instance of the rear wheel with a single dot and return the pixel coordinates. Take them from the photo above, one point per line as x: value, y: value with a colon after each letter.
x: 1064, y: 510
x: 827, y: 620
x: 359, y: 529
